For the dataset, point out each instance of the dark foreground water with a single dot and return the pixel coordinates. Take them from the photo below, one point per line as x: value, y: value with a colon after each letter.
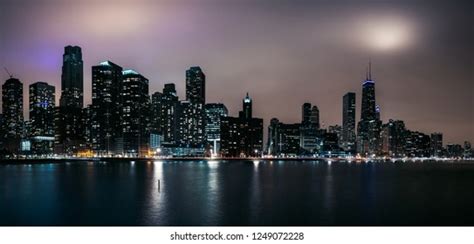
x: 237, y: 193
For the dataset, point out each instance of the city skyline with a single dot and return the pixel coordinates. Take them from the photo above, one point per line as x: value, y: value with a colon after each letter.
x: 228, y: 79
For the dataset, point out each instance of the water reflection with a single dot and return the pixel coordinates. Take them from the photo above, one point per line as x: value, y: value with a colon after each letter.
x: 235, y: 193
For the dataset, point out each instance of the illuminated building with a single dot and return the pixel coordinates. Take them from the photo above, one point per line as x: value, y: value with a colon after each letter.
x: 437, y: 144
x: 368, y: 136
x: 195, y: 85
x: 134, y: 114
x: 105, y: 115
x: 393, y: 138
x: 417, y: 144
x: 242, y: 136
x: 72, y: 80
x: 348, y: 122
x: 12, y: 107
x: 168, y: 112
x: 467, y: 149
x: 247, y: 107
x: 155, y: 118
x: 214, y: 112
x: 69, y: 127
x: 42, y: 103
x: 283, y: 139
x: 190, y: 129
x: 454, y: 150
x: 309, y: 129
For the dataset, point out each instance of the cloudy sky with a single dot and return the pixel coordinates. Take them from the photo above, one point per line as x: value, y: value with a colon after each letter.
x: 283, y: 52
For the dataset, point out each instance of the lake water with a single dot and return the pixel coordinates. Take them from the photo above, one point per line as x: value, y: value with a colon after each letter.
x: 237, y: 193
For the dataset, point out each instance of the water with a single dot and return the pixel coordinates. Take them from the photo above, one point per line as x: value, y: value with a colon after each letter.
x: 290, y: 193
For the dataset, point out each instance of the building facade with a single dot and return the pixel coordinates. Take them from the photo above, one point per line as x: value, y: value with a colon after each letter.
x: 69, y: 127
x: 12, y: 109
x: 437, y: 144
x: 368, y: 134
x: 214, y: 112
x: 72, y: 80
x: 190, y: 124
x: 242, y: 136
x: 134, y: 115
x: 284, y: 139
x: 393, y: 138
x: 349, y: 122
x: 105, y: 115
x: 309, y: 129
x: 168, y: 111
x: 195, y: 85
x: 42, y: 109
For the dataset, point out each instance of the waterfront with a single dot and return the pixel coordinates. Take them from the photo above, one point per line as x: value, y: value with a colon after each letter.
x: 294, y: 193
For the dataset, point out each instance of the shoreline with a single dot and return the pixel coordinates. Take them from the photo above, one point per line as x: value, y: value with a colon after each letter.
x: 300, y: 159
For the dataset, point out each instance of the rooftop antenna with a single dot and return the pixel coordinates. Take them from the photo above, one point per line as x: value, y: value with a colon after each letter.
x: 366, y: 73
x: 370, y: 69
x: 9, y: 74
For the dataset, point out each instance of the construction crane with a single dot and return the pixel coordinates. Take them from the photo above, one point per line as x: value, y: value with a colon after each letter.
x: 9, y: 74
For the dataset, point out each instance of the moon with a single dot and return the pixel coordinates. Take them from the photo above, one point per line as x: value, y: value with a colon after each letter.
x: 386, y: 34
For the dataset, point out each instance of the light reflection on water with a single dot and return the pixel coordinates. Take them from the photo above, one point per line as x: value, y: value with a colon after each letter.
x: 235, y: 193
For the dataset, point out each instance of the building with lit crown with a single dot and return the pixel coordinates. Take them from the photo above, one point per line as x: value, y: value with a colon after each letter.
x: 242, y: 136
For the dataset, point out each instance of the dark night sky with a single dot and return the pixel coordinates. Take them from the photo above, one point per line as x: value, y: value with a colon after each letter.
x: 283, y: 52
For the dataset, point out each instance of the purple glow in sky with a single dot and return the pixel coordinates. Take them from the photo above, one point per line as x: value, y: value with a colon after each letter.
x: 284, y: 53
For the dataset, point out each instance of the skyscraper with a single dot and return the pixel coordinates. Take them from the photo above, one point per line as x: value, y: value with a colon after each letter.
x: 42, y: 103
x: 12, y: 107
x: 68, y: 117
x: 417, y: 144
x: 437, y: 144
x: 134, y: 114
x: 247, y: 107
x: 169, y: 104
x: 284, y: 139
x: 369, y: 124
x: 195, y: 85
x: 190, y: 124
x: 336, y: 129
x: 214, y: 112
x: 155, y: 118
x: 348, y: 121
x: 242, y: 136
x: 191, y: 112
x: 72, y: 81
x: 314, y: 117
x: 305, y: 113
x: 309, y: 128
x: 393, y: 138
x: 467, y: 149
x: 106, y: 81
x: 273, y: 146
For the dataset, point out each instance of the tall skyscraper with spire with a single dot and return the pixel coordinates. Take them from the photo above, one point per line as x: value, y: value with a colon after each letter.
x: 369, y: 124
